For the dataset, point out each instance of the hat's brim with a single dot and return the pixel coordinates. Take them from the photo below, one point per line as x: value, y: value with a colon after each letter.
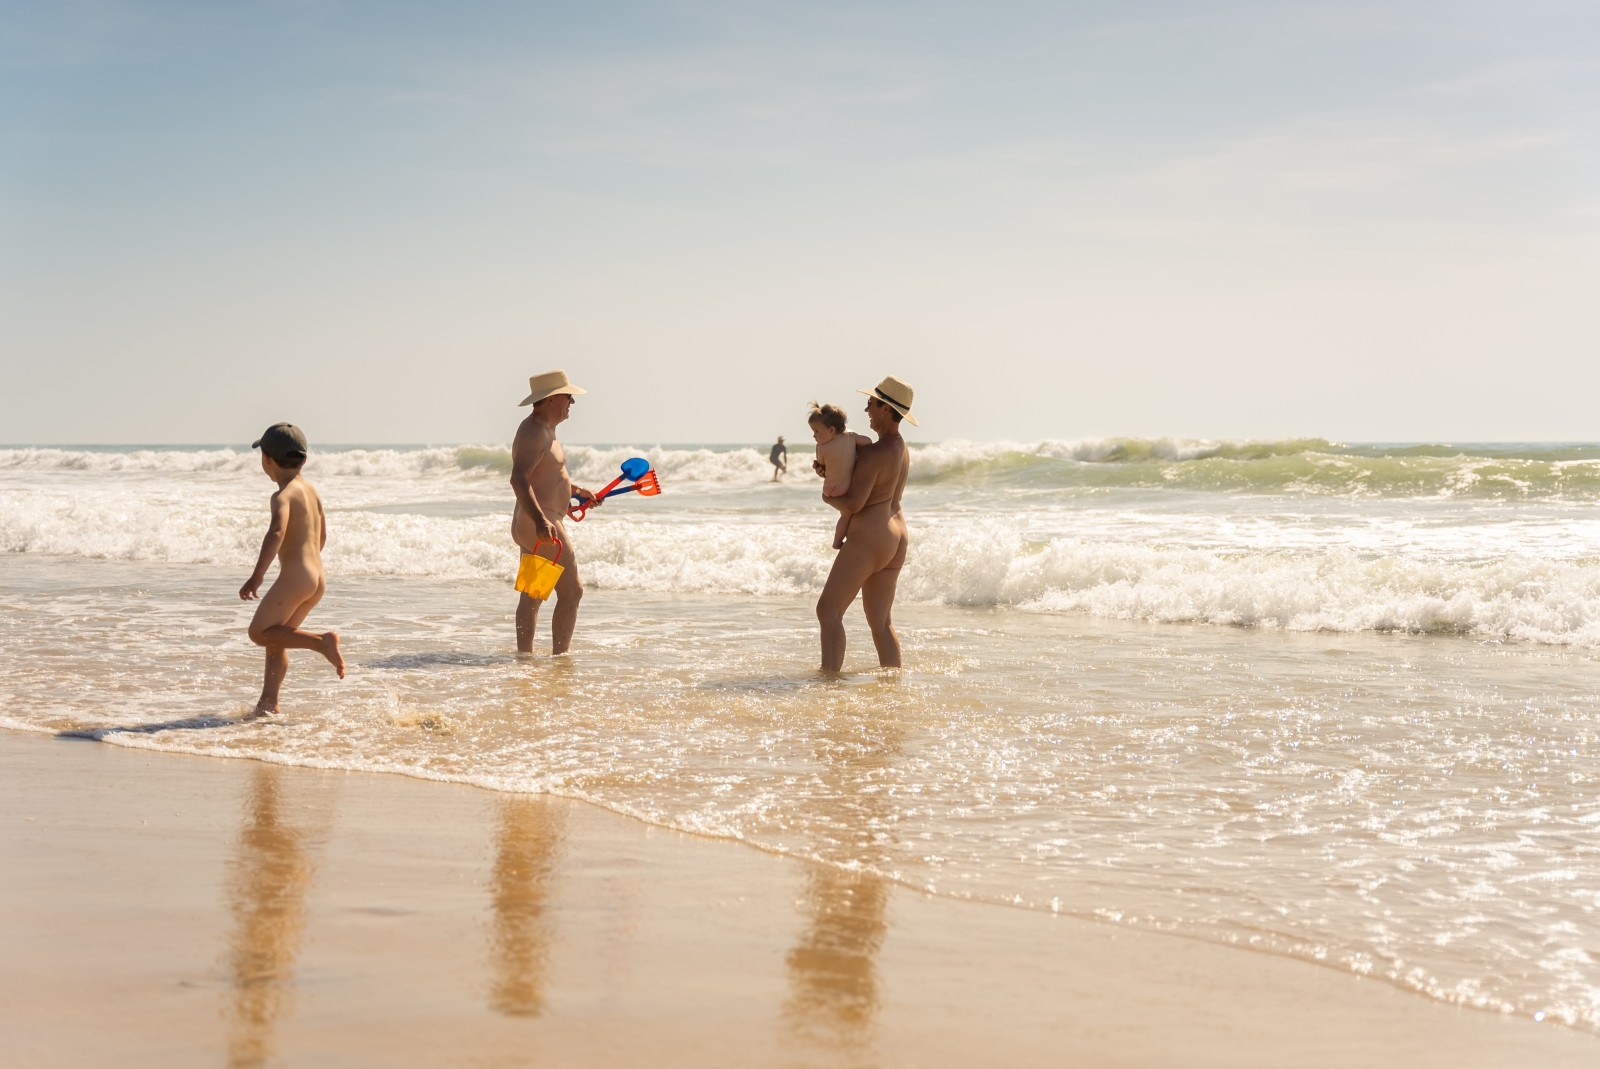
x: 904, y: 411
x: 256, y: 444
x: 535, y: 398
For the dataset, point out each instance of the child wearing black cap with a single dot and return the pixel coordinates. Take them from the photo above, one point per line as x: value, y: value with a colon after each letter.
x: 295, y: 537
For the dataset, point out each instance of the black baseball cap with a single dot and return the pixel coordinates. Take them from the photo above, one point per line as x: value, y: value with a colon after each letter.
x: 281, y: 442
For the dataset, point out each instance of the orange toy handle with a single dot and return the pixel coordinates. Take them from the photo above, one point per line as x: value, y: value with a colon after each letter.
x: 559, y: 547
x: 577, y: 512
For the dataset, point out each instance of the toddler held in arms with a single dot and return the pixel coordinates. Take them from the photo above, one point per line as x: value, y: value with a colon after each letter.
x: 836, y: 456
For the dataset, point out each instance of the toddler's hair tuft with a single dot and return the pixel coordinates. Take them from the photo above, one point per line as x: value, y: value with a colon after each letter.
x: 831, y: 416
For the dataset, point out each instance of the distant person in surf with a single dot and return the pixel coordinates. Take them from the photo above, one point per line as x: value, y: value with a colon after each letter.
x: 544, y: 491
x: 295, y: 537
x: 875, y: 546
x: 836, y: 457
x: 780, y: 459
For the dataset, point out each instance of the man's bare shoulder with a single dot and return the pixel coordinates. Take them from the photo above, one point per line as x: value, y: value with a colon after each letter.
x: 534, y: 427
x: 533, y: 433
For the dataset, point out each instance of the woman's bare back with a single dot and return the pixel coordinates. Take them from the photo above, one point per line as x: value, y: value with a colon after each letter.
x: 880, y: 524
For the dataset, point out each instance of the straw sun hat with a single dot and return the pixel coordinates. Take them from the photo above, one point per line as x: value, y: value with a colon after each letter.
x: 896, y: 393
x: 548, y: 385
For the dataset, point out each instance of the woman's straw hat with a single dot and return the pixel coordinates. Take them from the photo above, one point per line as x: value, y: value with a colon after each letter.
x: 896, y: 393
x: 548, y: 385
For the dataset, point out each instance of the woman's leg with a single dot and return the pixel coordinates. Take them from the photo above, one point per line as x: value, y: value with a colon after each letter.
x: 877, y: 599
x: 850, y: 569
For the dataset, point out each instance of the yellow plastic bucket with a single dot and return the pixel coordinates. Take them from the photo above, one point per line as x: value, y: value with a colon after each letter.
x: 536, y: 576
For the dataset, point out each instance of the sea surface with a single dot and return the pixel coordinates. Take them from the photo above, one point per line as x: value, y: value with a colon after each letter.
x: 1326, y: 701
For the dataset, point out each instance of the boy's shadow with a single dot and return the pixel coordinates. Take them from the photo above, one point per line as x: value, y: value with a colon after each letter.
x: 188, y: 723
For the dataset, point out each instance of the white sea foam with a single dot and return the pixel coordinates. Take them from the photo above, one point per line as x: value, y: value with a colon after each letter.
x: 987, y: 563
x: 162, y: 460
x: 1292, y: 466
x: 740, y: 467
x: 353, y: 462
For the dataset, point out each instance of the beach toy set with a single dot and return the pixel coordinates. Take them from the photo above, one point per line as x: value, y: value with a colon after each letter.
x: 636, y: 471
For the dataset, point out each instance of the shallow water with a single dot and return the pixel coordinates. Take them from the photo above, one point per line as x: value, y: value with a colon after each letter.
x: 1416, y: 804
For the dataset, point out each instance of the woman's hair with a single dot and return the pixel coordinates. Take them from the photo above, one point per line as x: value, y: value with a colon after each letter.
x: 827, y: 415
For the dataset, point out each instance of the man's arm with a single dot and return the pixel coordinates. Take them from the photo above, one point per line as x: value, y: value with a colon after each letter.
x: 528, y: 451
x: 270, y: 544
x: 322, y: 525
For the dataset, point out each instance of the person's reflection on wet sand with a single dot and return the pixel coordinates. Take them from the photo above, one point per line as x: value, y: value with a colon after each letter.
x: 528, y: 836
x: 833, y: 978
x: 271, y: 874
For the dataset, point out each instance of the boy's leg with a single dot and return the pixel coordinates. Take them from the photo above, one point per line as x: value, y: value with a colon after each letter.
x: 283, y: 609
x: 277, y: 668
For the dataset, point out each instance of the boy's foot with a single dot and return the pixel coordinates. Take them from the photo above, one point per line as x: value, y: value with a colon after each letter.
x: 330, y: 650
x: 260, y: 711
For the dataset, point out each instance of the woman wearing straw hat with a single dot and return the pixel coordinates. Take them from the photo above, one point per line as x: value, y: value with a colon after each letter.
x: 875, y: 543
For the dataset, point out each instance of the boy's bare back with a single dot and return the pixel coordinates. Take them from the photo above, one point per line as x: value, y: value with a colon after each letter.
x: 303, y: 536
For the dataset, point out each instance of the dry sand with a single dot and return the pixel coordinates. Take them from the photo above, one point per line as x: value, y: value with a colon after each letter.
x: 163, y: 910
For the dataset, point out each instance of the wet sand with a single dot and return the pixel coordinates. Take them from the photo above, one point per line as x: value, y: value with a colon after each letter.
x: 164, y: 910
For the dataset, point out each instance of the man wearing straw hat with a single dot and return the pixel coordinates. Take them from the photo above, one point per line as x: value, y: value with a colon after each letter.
x: 544, y: 491
x: 875, y: 543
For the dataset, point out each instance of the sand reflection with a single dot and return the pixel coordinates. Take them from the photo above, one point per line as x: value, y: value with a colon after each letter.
x: 833, y: 975
x: 834, y: 994
x: 271, y: 873
x: 528, y: 838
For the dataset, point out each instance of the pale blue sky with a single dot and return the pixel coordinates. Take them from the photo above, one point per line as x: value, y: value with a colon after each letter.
x: 1352, y: 219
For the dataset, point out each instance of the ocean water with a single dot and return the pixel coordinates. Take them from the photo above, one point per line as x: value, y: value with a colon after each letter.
x: 1332, y: 702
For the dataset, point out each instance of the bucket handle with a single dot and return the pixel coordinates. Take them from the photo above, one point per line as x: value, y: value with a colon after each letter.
x: 553, y: 560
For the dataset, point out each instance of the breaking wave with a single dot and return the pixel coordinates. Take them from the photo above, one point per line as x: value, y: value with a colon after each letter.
x: 1301, y: 466
x: 986, y: 564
